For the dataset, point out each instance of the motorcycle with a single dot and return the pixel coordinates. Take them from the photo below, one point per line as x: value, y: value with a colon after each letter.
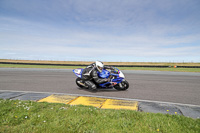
x: 117, y: 79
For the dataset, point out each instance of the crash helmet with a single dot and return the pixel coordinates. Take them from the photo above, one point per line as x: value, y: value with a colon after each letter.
x: 99, y: 66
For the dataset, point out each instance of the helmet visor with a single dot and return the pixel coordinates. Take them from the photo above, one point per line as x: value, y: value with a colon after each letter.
x: 100, y: 68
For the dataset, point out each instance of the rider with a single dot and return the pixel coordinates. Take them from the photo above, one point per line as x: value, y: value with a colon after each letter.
x: 90, y: 75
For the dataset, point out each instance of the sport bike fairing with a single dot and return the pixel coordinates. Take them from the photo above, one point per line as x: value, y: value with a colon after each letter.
x: 78, y: 72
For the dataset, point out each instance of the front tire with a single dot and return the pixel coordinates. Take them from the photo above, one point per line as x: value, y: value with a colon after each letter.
x: 124, y: 86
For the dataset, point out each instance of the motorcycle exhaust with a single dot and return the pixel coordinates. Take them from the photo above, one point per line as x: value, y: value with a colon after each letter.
x: 79, y: 82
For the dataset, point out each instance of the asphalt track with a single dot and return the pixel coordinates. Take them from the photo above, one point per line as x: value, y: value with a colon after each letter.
x: 175, y: 87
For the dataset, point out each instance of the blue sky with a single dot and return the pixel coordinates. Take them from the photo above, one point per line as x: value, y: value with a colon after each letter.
x: 89, y: 30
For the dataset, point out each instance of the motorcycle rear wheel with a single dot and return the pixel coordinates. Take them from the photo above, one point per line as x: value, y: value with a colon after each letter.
x: 124, y: 84
x: 78, y: 84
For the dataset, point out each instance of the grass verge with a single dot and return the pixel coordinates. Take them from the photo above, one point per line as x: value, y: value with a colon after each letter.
x: 172, y: 69
x: 28, y: 116
x: 106, y: 63
x: 39, y: 66
x: 121, y: 68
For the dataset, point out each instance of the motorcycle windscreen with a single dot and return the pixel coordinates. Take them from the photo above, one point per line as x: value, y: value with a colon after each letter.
x: 121, y: 75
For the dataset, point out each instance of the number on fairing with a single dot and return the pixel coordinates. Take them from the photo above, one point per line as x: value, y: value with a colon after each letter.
x: 77, y: 71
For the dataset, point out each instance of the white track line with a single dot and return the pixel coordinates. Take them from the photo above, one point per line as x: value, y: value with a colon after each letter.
x: 139, y: 100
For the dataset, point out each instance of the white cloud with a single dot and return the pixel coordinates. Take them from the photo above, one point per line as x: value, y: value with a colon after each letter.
x: 109, y: 28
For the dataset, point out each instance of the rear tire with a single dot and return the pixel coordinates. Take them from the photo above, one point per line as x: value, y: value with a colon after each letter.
x: 79, y: 80
x: 125, y: 86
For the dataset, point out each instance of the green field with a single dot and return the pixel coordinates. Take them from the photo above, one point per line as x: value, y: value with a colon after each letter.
x: 38, y: 66
x: 121, y: 68
x: 33, y: 117
x: 106, y: 63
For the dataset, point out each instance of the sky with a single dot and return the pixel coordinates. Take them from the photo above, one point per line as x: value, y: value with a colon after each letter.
x: 106, y: 30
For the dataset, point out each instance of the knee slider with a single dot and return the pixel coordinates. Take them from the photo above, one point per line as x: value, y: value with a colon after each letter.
x: 93, y: 87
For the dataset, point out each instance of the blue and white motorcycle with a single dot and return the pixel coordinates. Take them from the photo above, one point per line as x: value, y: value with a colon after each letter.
x: 117, y: 79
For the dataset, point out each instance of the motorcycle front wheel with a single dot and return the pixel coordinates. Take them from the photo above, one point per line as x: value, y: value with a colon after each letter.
x: 122, y: 86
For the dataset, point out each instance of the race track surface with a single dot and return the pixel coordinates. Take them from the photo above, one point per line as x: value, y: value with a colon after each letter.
x: 176, y: 87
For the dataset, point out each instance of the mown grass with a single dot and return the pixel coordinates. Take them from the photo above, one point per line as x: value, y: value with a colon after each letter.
x: 106, y: 63
x: 121, y: 68
x: 39, y: 66
x: 162, y: 69
x: 28, y: 116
